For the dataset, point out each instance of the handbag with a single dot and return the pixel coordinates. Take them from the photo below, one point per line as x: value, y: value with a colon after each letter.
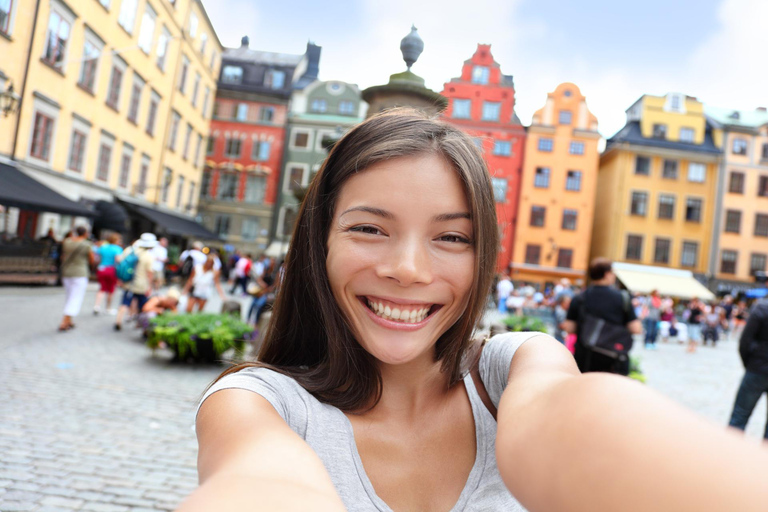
x: 602, y: 337
x: 254, y: 289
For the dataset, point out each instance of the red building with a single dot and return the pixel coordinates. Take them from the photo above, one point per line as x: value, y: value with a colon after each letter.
x: 482, y: 103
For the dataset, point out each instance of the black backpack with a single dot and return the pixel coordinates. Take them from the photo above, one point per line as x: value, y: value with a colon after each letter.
x: 602, y: 337
x: 187, y: 266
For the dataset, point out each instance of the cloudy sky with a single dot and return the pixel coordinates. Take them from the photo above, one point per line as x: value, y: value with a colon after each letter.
x: 615, y: 51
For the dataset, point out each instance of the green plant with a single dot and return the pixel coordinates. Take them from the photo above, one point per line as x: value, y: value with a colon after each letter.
x: 182, y: 332
x: 635, y: 372
x: 517, y: 323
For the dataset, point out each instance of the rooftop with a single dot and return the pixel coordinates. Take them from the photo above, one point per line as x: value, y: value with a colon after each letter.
x: 631, y: 134
x: 741, y: 118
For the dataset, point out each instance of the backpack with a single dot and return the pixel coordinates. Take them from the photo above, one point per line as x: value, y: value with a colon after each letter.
x: 598, y: 335
x: 187, y: 266
x: 127, y: 267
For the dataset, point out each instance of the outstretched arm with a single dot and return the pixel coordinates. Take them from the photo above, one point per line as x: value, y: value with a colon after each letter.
x: 602, y: 442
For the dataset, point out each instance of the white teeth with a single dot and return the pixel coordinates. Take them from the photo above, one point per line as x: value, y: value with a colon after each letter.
x: 387, y: 311
x: 405, y: 316
x: 396, y: 314
x: 413, y: 315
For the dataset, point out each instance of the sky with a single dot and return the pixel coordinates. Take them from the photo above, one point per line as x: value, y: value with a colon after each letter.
x: 614, y: 51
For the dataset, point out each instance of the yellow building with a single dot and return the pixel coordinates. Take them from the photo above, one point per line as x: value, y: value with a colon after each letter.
x: 557, y: 191
x: 656, y: 186
x: 116, y: 99
x: 740, y: 243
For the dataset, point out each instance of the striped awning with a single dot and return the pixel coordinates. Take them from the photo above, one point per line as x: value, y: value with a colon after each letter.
x: 667, y: 281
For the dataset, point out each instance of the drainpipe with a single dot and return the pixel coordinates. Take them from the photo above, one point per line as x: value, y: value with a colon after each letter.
x: 714, y: 247
x: 24, y: 81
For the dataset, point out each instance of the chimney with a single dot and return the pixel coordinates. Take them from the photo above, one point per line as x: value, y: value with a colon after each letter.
x: 244, y: 42
x: 761, y: 109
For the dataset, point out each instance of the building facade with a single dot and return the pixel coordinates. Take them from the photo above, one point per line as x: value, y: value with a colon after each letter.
x: 320, y: 114
x: 740, y: 238
x: 245, y: 151
x: 656, y: 186
x: 557, y: 191
x: 482, y: 103
x: 115, y: 101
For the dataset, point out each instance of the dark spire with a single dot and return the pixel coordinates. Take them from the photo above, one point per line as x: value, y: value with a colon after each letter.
x: 411, y: 46
x: 245, y: 41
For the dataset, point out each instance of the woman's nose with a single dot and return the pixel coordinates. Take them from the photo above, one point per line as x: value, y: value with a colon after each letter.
x: 408, y: 263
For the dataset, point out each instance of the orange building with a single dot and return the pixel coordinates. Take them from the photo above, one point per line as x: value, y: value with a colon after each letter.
x: 557, y: 190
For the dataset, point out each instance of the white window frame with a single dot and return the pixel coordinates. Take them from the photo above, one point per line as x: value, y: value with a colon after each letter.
x: 98, y: 43
x: 85, y: 129
x: 119, y: 63
x: 310, y: 139
x: 104, y: 140
x: 179, y: 192
x: 206, y: 100
x: 304, y: 176
x: 193, y: 23
x: 165, y: 185
x: 127, y: 150
x: 203, y: 43
x: 702, y: 167
x: 127, y: 19
x: 52, y: 112
x: 153, y: 97
x: 145, y: 161
x: 494, y: 104
x: 164, y: 42
x: 147, y: 35
x: 481, y: 75
x: 196, y: 88
x: 137, y: 80
x: 687, y: 129
x: 241, y: 112
x: 11, y: 18
x: 319, y: 139
x: 469, y: 111
x: 66, y: 15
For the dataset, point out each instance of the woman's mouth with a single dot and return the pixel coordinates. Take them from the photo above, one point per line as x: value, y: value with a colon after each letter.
x: 403, y: 313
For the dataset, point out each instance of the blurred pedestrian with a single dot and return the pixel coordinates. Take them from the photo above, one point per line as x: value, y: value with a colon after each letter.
x: 191, y: 258
x: 160, y: 253
x: 140, y: 287
x: 76, y: 260
x: 713, y: 321
x: 240, y: 273
x: 504, y: 289
x: 694, y: 319
x: 106, y: 272
x: 201, y: 284
x: 651, y: 318
x: 740, y: 315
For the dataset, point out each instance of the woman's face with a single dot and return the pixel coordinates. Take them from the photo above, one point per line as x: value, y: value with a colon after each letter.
x: 401, y: 255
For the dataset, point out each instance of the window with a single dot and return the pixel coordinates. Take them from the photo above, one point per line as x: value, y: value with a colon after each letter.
x: 222, y: 225
x: 661, y: 251
x: 193, y: 25
x: 639, y: 205
x: 105, y: 3
x: 232, y: 147
x: 77, y: 151
x: 757, y: 263
x: 89, y: 67
x: 162, y: 48
x: 191, y: 197
x: 538, y: 214
x: 175, y: 121
x: 260, y: 151
x: 461, y: 109
x: 242, y: 112
x: 127, y: 18
x: 289, y: 220
x: 133, y: 107
x: 532, y: 254
x: 669, y: 170
x: 761, y: 224
x: 166, y: 187
x: 105, y: 155
x: 250, y: 229
x: 295, y: 178
x: 115, y: 84
x: 690, y: 254
x: 318, y: 105
x: 301, y: 139
x: 214, y: 58
x: 232, y: 75
x: 634, y: 247
x: 739, y: 147
x: 666, y: 206
x: 500, y: 189
x: 206, y: 98
x: 564, y: 258
x: 576, y: 148
x: 728, y: 262
x: 255, y: 189
x: 491, y: 111
x: 659, y: 131
x: 210, y: 147
x: 195, y: 89
x: 541, y: 179
x: 502, y: 147
x: 198, y: 149
x: 573, y: 181
x: 57, y: 39
x: 545, y: 144
x: 154, y: 102
x: 347, y: 108
x: 765, y: 152
x: 480, y: 75
x: 732, y: 221
x: 187, y: 139
x: 736, y: 183
x: 205, y: 185
x: 147, y: 30
x: 569, y: 219
x: 564, y: 117
x: 125, y: 168
x: 643, y: 165
x: 478, y: 143
x: 141, y: 186
x: 693, y: 210
x: 697, y: 172
x: 266, y: 114
x: 41, y: 137
x: 762, y: 187
x: 183, y: 76
x: 686, y: 135
x: 274, y: 79
x: 179, y: 191
x: 6, y: 7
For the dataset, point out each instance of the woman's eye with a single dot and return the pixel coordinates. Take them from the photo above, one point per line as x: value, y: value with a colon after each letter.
x: 369, y: 230
x: 455, y: 239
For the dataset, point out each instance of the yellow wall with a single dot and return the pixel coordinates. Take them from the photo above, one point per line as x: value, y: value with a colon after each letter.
x: 656, y: 110
x: 607, y: 218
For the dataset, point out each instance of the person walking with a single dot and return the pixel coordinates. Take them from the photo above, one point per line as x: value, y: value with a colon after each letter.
x: 753, y: 349
x: 504, y: 289
x: 140, y: 287
x: 76, y: 260
x: 240, y: 273
x: 652, y: 316
x: 695, y: 314
x: 106, y: 273
x: 740, y: 315
x: 160, y: 253
x: 200, y: 285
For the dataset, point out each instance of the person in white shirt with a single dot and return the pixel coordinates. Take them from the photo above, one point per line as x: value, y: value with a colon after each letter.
x: 160, y: 252
x: 503, y: 291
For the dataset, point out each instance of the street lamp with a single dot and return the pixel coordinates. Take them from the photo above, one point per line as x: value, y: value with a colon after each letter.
x: 9, y: 101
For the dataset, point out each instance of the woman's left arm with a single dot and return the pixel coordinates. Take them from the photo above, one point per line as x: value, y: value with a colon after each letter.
x: 597, y: 441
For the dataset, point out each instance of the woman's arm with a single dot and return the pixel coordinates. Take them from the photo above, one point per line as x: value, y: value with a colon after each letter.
x: 217, y: 282
x: 602, y: 442
x: 249, y: 459
x: 190, y: 280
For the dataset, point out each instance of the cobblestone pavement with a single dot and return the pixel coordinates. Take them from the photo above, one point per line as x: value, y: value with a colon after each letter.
x: 91, y: 420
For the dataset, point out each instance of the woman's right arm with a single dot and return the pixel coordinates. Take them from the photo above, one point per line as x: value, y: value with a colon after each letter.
x: 249, y: 459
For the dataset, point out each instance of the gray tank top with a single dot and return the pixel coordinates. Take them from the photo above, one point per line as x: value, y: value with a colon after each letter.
x: 328, y: 431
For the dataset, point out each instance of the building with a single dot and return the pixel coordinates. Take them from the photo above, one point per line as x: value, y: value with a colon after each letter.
x: 656, y: 189
x: 115, y: 105
x: 557, y: 191
x: 740, y: 238
x: 482, y: 103
x: 320, y: 114
x: 245, y: 151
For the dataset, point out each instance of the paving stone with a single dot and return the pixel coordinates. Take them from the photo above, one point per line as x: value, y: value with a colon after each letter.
x: 58, y: 491
x: 58, y: 501
x: 16, y: 495
x: 132, y: 502
x: 125, y: 491
x: 104, y: 507
x: 16, y: 506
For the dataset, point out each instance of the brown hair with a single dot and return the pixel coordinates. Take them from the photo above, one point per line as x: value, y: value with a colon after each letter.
x: 599, y: 267
x: 114, y: 238
x: 308, y: 337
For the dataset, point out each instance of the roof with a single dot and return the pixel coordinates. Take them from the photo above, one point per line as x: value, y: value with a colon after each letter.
x: 171, y: 224
x: 667, y: 281
x: 740, y: 118
x: 630, y: 134
x: 245, y: 54
x: 22, y: 191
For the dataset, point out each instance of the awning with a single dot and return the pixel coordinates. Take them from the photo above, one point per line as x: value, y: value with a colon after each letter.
x: 22, y: 191
x: 277, y: 249
x: 111, y: 216
x: 668, y: 282
x: 756, y: 293
x: 173, y: 224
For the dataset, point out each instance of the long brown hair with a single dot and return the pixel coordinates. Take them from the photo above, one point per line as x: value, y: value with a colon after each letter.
x: 308, y: 337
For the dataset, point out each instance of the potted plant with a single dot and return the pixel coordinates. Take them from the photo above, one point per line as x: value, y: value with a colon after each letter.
x: 516, y: 323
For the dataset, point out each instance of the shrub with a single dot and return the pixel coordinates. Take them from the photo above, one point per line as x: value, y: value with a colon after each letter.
x: 517, y: 323
x: 182, y: 332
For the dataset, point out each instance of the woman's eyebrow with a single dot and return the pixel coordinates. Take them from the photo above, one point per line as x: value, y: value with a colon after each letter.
x: 443, y: 217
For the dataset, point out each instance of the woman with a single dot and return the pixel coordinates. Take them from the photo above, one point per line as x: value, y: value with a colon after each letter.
x: 351, y: 406
x: 105, y: 273
x: 76, y: 260
x: 201, y: 283
x: 266, y: 283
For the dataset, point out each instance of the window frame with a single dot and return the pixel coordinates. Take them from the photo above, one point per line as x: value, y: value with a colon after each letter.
x: 576, y: 147
x: 124, y: 174
x: 126, y: 19
x: 500, y: 189
x: 743, y: 146
x: 542, y: 177
x: 502, y: 147
x: 495, y: 108
x: 697, y: 165
x: 301, y: 131
x: 89, y: 68
x: 666, y: 249
x: 688, y: 201
x: 731, y: 262
x: 564, y: 255
x: 571, y: 179
x: 664, y: 206
x: 134, y: 105
x: 532, y: 254
x: 153, y: 107
x: 545, y: 144
x: 538, y: 212
x: 637, y: 249
x: 77, y: 153
x: 732, y: 221
x: 288, y: 186
x: 732, y: 182
x: 65, y: 15
x: 639, y: 170
x: 146, y: 37
x: 634, y: 208
x: 104, y: 158
x: 689, y: 244
x: 570, y: 219
x: 465, y: 103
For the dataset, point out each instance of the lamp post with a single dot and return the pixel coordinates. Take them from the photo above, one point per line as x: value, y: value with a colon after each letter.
x: 9, y: 101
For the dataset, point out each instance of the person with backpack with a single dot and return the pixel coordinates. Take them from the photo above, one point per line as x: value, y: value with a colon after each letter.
x: 190, y: 259
x: 135, y: 270
x: 604, y: 321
